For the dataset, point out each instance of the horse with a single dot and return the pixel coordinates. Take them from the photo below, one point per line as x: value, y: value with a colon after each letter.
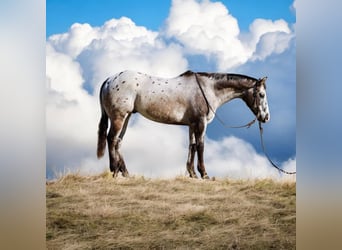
x: 190, y: 99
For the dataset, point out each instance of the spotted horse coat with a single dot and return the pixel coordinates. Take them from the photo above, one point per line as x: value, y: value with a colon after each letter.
x: 189, y: 99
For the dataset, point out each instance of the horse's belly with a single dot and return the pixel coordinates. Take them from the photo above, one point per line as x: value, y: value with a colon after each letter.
x: 163, y: 111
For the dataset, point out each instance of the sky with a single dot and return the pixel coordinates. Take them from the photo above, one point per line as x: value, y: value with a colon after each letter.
x: 87, y: 41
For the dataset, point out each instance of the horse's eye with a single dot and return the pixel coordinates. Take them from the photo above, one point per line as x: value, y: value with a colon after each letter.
x: 262, y: 95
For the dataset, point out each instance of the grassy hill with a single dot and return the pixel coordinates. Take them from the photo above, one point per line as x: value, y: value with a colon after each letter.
x: 99, y: 212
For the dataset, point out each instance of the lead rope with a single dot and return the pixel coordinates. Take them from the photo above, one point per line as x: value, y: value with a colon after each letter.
x: 248, y: 125
x: 268, y: 158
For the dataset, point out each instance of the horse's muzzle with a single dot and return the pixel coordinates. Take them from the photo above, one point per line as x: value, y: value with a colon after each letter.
x: 267, y: 118
x: 264, y: 119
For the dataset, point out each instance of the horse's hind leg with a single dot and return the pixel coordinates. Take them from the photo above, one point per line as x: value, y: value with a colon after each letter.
x: 112, y: 141
x: 116, y: 162
x: 111, y: 150
x: 123, y: 168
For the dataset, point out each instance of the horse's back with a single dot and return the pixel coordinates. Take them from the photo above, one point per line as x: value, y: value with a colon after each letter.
x: 165, y: 100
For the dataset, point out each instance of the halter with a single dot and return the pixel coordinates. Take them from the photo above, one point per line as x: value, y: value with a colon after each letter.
x: 248, y: 125
x: 218, y: 118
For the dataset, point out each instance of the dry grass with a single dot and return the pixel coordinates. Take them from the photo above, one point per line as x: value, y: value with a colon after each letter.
x: 100, y: 212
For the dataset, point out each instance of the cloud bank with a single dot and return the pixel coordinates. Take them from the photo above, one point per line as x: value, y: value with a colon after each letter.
x: 208, y: 28
x: 79, y: 60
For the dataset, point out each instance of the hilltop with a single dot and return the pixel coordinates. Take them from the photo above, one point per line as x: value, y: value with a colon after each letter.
x: 99, y: 212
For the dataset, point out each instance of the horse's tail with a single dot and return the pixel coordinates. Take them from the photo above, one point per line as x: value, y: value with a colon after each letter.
x: 102, y: 131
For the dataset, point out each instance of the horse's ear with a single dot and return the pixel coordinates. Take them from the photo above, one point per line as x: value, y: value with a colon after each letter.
x: 262, y: 81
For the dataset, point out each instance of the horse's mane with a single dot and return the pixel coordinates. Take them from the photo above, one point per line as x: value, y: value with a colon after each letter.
x: 219, y: 76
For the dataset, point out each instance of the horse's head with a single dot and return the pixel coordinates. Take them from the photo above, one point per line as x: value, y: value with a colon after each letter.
x: 256, y: 99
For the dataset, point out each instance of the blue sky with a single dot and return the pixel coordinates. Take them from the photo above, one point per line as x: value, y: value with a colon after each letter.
x: 80, y: 57
x: 61, y: 14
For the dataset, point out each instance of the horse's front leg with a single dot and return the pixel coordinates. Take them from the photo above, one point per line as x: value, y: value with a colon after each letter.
x: 191, y: 155
x: 199, y: 135
x: 200, y: 164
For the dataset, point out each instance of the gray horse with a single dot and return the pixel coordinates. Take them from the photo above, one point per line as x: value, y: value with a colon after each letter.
x: 189, y: 99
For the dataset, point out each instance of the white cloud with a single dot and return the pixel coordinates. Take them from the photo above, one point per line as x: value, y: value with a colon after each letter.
x: 208, y: 28
x: 73, y: 42
x: 63, y: 73
x: 70, y: 109
x: 269, y: 37
x: 115, y: 33
x: 235, y: 158
x: 155, y: 150
x: 289, y: 166
x: 118, y: 45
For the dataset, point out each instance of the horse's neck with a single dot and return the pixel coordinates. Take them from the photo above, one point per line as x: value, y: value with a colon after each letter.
x: 228, y: 90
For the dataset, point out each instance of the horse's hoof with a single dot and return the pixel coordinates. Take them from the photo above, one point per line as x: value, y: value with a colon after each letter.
x: 193, y: 176
x: 125, y: 174
x: 206, y: 177
x: 115, y: 174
